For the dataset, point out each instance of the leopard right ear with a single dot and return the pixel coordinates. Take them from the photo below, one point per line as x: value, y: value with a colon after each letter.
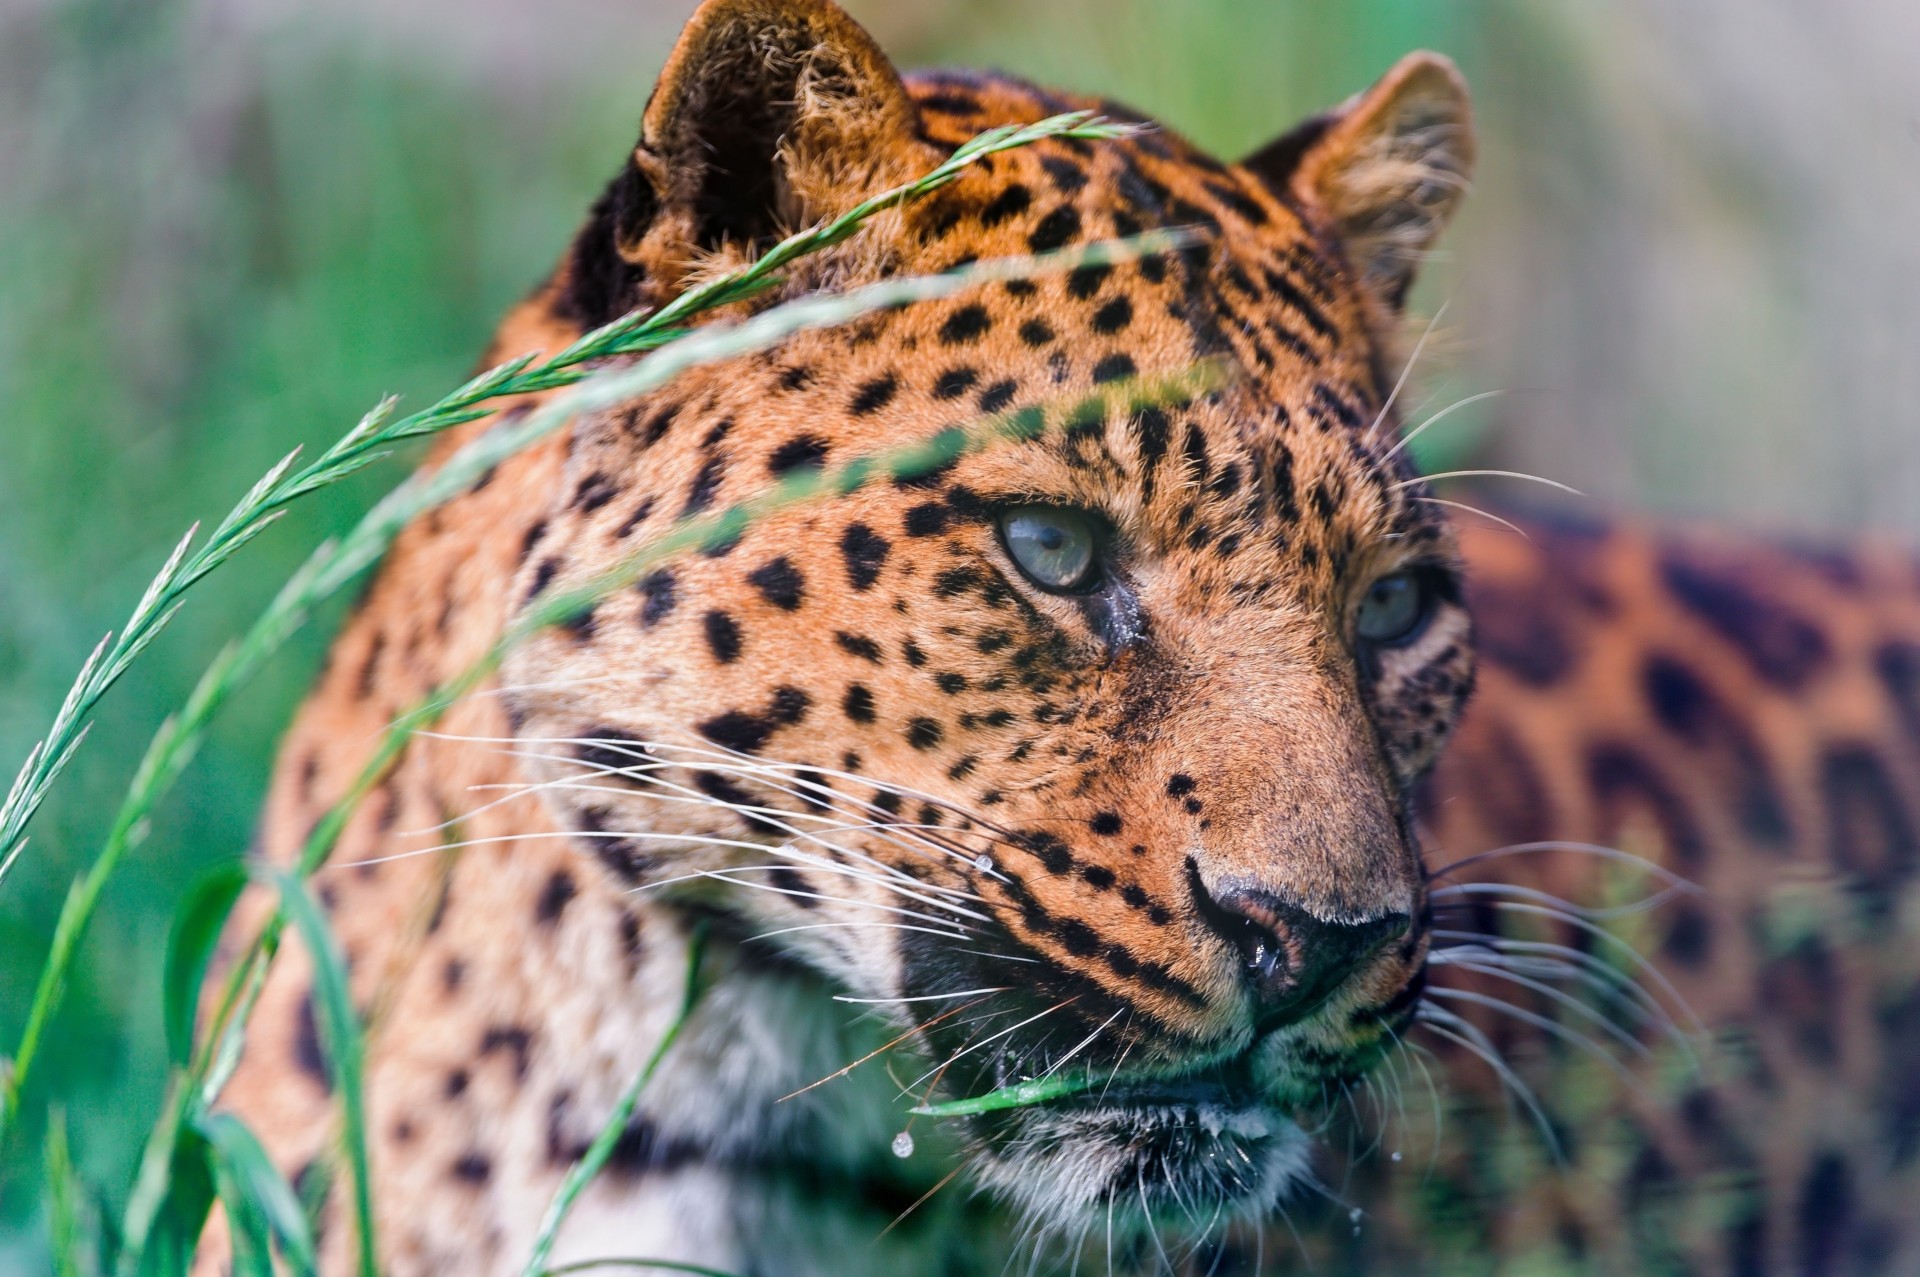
x: 768, y: 115
x: 1386, y: 169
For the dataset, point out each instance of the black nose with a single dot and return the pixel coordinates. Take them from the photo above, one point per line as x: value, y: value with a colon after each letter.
x: 1293, y: 959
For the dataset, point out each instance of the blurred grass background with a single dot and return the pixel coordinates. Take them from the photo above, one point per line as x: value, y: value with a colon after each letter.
x: 228, y: 226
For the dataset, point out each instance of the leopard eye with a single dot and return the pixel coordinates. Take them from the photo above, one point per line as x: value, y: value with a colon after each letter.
x: 1394, y: 609
x: 1056, y: 547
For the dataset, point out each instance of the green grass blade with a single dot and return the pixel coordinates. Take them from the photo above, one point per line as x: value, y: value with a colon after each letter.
x: 254, y: 1179
x: 583, y: 1171
x: 196, y: 929
x: 340, y: 1036
x: 63, y: 1199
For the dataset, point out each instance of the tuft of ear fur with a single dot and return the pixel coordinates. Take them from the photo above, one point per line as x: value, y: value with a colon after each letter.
x: 1386, y: 168
x: 768, y: 115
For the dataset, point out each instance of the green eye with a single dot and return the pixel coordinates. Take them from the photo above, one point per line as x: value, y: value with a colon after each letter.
x: 1393, y: 609
x: 1054, y: 545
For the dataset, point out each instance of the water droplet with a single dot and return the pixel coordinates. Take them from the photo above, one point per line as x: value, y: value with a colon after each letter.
x: 903, y: 1144
x: 1395, y: 1155
x: 1356, y: 1214
x: 983, y: 862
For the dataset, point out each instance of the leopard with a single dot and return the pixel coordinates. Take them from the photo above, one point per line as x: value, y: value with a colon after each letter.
x: 1191, y: 743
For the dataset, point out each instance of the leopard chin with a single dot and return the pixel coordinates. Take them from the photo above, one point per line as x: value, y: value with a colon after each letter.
x: 1188, y: 1156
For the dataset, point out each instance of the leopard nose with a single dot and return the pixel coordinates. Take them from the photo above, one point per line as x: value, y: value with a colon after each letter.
x: 1293, y: 960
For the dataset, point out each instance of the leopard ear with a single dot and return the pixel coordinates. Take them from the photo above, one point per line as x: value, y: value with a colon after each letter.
x: 768, y: 115
x: 1386, y: 168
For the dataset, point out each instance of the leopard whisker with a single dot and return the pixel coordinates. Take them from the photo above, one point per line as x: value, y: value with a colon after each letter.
x: 1515, y: 891
x: 1599, y: 850
x: 1551, y: 1027
x: 1439, y: 416
x: 1626, y: 950
x: 960, y: 931
x: 1486, y: 474
x: 968, y: 1050
x: 1405, y: 372
x: 781, y: 819
x: 926, y: 997
x: 1563, y: 961
x: 1465, y: 1034
x: 1470, y: 509
x: 1084, y: 1043
x: 1500, y: 970
x: 890, y: 876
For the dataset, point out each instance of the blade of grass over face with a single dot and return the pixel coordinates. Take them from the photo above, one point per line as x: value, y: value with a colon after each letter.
x: 1020, y: 1095
x: 661, y: 331
x: 246, y: 1174
x: 582, y: 1172
x: 340, y: 1035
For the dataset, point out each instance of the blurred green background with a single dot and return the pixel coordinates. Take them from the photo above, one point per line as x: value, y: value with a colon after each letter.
x: 228, y: 226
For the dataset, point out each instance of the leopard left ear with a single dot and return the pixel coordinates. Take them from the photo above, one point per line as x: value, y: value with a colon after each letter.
x: 1386, y: 168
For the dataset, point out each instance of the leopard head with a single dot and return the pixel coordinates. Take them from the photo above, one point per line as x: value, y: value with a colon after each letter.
x: 1084, y: 755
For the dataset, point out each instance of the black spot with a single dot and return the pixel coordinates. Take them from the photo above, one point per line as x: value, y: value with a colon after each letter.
x: 723, y: 636
x: 472, y: 1167
x: 858, y: 703
x: 456, y: 1084
x: 658, y: 588
x: 929, y: 519
x: 720, y: 431
x: 1113, y: 316
x: 593, y: 492
x: 1106, y: 823
x: 998, y: 395
x: 954, y: 382
x: 1084, y: 281
x: 635, y: 519
x: 1010, y: 202
x: 1179, y: 785
x: 1055, y: 230
x: 796, y: 378
x: 1869, y: 832
x: 873, y: 396
x: 1067, y: 175
x: 911, y: 650
x: 779, y: 583
x: 1099, y: 877
x: 796, y: 453
x: 924, y: 733
x: 515, y: 1041
x: 1036, y: 332
x: 790, y: 705
x: 949, y: 682
x: 1113, y: 368
x: 965, y: 324
x: 1622, y: 781
x: 705, y: 484
x: 554, y: 897
x: 859, y: 645
x: 864, y: 550
x: 738, y: 730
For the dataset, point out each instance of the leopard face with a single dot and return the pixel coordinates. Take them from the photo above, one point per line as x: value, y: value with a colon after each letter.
x: 1091, y: 752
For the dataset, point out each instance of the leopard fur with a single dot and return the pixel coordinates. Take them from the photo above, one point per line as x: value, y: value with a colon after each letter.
x: 1101, y: 809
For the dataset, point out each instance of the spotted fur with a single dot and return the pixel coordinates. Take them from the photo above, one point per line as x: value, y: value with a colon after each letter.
x: 1171, y: 828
